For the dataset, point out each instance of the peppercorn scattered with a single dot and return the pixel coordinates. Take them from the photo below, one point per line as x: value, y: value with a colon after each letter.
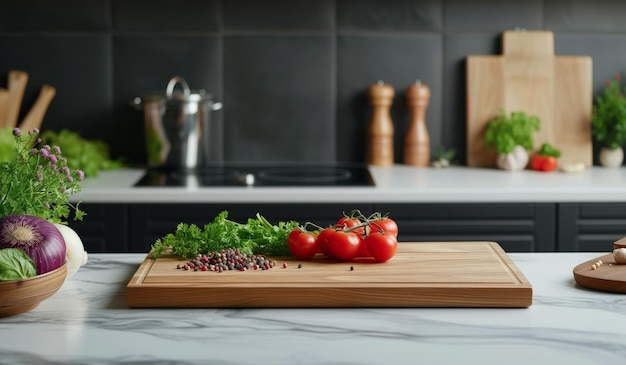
x: 229, y: 259
x: 299, y: 266
x: 351, y: 268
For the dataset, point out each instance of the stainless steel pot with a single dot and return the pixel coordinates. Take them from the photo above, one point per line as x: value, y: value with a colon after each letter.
x: 180, y: 132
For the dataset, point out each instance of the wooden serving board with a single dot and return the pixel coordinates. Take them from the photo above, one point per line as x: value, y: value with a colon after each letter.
x: 529, y: 78
x: 609, y: 276
x: 421, y: 274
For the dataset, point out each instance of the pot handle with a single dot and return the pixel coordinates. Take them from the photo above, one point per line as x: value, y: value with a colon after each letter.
x: 169, y: 91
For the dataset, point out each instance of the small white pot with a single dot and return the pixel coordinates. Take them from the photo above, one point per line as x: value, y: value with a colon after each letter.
x: 514, y: 161
x: 611, y: 157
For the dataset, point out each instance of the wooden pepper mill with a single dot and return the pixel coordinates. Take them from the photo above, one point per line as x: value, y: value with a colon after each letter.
x: 417, y: 140
x: 380, y: 130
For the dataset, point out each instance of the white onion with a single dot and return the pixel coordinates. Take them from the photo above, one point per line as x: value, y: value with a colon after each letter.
x: 75, y: 255
x: 39, y: 238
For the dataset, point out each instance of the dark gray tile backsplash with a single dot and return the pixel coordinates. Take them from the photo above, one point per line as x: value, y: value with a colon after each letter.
x: 278, y: 15
x: 278, y: 105
x: 492, y: 15
x: 166, y: 16
x: 292, y: 74
x: 399, y: 15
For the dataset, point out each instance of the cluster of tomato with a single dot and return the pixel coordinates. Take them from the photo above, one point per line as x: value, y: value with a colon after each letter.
x: 349, y: 238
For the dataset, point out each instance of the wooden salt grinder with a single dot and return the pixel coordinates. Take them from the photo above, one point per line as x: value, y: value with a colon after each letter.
x: 380, y: 129
x: 417, y: 140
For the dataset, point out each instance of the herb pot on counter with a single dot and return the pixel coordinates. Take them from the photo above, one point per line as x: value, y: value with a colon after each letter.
x: 180, y: 133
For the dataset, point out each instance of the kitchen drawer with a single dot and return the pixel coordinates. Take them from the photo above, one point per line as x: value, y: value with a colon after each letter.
x: 590, y: 227
x: 517, y: 227
x: 104, y: 228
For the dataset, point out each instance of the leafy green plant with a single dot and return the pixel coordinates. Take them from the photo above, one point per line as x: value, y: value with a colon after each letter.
x: 90, y: 156
x: 608, y: 120
x: 37, y: 181
x: 504, y: 133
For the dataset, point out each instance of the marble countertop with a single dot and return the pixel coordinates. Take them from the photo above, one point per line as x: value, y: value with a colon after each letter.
x: 398, y: 183
x: 88, y: 322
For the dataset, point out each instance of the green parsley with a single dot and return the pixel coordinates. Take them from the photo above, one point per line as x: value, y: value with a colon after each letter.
x: 36, y: 180
x: 256, y: 236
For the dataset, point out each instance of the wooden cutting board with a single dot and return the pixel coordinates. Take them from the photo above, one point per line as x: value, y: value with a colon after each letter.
x: 528, y: 77
x: 421, y: 274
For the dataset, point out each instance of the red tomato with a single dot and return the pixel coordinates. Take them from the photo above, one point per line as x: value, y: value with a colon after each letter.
x: 382, y: 246
x: 322, y: 242
x: 543, y: 163
x: 302, y: 245
x: 364, y: 252
x: 345, y: 222
x: 385, y: 225
x: 345, y: 246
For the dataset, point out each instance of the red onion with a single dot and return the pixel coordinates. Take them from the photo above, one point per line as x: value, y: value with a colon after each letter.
x: 39, y: 238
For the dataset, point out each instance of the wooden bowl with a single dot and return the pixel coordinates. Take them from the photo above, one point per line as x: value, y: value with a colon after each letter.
x: 19, y: 296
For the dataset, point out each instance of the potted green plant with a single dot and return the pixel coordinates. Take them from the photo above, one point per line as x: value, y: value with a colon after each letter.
x: 608, y: 123
x: 511, y: 137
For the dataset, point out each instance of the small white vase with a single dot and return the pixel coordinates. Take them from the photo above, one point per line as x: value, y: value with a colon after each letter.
x: 514, y: 161
x: 611, y: 157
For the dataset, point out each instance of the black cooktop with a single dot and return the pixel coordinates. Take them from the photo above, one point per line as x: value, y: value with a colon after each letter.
x: 257, y: 175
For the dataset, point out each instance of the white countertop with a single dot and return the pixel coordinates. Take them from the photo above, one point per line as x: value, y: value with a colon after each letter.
x: 396, y: 184
x: 87, y: 322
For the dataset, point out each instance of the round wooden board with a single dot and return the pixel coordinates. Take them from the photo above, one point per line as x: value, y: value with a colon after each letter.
x: 610, y: 276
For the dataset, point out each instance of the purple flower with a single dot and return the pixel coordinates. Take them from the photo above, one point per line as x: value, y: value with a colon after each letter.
x: 52, y: 158
x: 39, y: 176
x: 38, y: 140
x: 34, y: 151
x: 39, y: 167
x: 81, y: 174
x: 44, y: 152
x: 36, y: 130
x: 70, y: 179
x: 17, y: 132
x: 66, y: 170
x: 57, y: 149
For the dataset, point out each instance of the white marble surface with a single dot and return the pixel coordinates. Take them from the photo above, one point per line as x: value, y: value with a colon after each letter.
x: 87, y: 322
x: 399, y: 183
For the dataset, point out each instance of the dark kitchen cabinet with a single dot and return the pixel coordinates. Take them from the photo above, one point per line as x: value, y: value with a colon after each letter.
x: 151, y: 221
x: 104, y: 228
x: 590, y: 227
x: 517, y: 227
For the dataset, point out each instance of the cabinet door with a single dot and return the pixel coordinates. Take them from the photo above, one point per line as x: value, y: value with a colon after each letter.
x: 104, y: 228
x: 516, y: 227
x: 590, y: 227
x: 148, y: 222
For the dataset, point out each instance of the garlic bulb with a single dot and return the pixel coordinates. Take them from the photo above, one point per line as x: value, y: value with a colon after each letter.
x: 619, y: 255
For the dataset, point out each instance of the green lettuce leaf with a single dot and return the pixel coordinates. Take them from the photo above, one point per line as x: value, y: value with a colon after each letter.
x: 15, y: 264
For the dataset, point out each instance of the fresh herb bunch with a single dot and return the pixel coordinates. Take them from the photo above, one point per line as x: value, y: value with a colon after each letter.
x: 504, y: 133
x: 37, y: 181
x: 89, y: 156
x: 256, y: 236
x: 608, y: 119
